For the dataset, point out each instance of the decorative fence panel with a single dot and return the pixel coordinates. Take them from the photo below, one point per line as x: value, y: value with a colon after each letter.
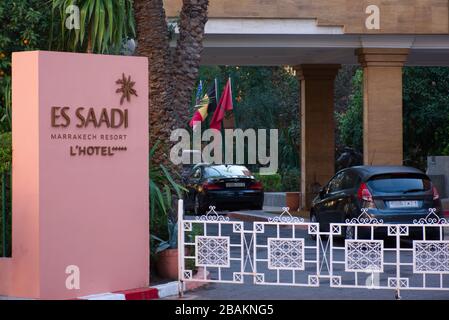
x: 362, y: 253
x: 411, y: 256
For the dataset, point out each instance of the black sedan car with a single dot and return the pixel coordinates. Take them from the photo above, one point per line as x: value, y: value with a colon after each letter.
x: 393, y: 194
x: 224, y: 186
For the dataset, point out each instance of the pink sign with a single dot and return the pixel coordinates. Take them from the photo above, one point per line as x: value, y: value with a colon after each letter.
x: 80, y: 176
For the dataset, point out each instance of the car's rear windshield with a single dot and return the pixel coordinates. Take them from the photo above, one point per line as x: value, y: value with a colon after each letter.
x: 226, y: 171
x: 399, y: 183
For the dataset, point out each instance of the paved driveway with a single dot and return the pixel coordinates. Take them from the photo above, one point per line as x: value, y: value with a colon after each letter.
x: 253, y: 292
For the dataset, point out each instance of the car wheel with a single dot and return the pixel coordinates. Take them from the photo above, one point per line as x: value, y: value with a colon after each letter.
x: 198, y: 209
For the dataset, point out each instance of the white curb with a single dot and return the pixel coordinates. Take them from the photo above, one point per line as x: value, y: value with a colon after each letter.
x: 168, y: 289
x: 105, y: 296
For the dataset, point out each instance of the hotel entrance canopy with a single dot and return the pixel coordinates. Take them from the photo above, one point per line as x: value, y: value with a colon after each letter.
x: 316, y: 37
x: 290, y: 32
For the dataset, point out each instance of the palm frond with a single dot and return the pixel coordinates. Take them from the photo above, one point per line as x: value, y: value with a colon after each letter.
x: 104, y: 24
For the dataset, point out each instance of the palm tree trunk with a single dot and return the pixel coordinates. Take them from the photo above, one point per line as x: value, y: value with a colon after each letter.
x: 172, y: 75
x: 187, y: 57
x: 153, y: 42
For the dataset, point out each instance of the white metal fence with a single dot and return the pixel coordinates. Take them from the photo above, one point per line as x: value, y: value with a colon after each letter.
x: 287, y: 251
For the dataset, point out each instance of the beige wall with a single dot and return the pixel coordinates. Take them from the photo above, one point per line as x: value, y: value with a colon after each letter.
x: 397, y: 16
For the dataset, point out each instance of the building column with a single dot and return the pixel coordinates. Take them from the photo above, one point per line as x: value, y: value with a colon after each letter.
x: 382, y: 106
x: 317, y: 128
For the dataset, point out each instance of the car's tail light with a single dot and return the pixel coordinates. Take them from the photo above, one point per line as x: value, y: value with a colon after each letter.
x: 211, y: 186
x: 436, y: 194
x: 365, y: 195
x: 256, y: 186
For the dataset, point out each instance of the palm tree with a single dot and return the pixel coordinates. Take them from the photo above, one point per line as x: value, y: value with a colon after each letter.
x: 104, y: 25
x: 172, y: 72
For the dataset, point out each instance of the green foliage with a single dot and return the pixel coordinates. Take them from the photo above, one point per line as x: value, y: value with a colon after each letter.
x: 264, y: 98
x: 5, y: 186
x: 5, y: 207
x: 287, y: 180
x: 426, y: 114
x: 5, y: 105
x: 162, y: 187
x: 104, y: 25
x: 344, y: 86
x: 172, y: 242
x: 291, y: 179
x: 350, y: 122
x: 5, y: 151
x: 164, y: 191
x: 25, y: 26
x: 197, y: 230
x: 271, y: 183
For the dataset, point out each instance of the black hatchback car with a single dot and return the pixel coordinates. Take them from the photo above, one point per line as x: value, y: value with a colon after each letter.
x: 223, y: 186
x: 393, y: 194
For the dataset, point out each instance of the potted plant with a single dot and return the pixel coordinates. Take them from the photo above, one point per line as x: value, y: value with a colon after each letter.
x: 167, y: 252
x: 164, y: 195
x: 292, y: 200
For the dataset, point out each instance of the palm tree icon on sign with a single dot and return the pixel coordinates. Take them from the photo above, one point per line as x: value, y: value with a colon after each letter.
x: 127, y: 88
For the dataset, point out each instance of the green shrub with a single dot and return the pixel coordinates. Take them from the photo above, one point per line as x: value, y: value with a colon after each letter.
x: 164, y: 192
x: 5, y: 178
x: 271, y: 183
x: 350, y: 122
x: 5, y: 204
x: 5, y: 151
x: 291, y: 180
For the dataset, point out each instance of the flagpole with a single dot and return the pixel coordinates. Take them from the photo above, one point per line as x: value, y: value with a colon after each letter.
x: 223, y: 138
x: 230, y: 85
x: 216, y: 92
x: 199, y: 93
x: 232, y: 98
x: 221, y: 130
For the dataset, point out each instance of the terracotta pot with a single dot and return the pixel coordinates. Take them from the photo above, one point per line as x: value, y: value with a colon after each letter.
x: 292, y: 200
x: 167, y: 264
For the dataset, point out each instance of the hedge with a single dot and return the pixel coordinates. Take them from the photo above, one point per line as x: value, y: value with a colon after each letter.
x: 271, y: 183
x: 5, y: 151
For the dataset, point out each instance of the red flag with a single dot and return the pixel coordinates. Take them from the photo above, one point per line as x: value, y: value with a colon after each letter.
x: 224, y: 105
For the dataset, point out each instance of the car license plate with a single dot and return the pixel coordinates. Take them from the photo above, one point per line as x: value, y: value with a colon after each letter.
x: 404, y: 204
x: 235, y: 184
